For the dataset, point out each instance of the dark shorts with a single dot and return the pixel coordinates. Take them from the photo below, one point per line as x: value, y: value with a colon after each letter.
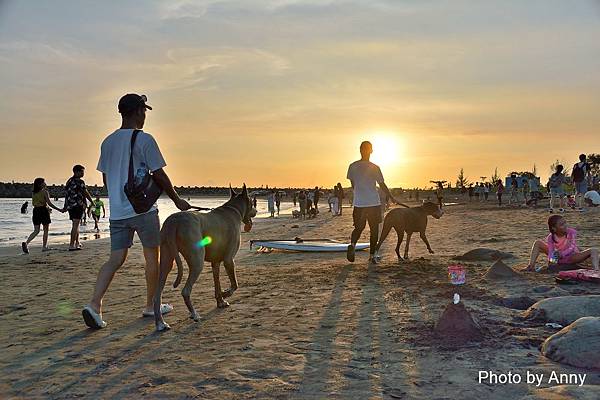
x: 146, y: 225
x: 41, y: 216
x: 361, y: 215
x: 76, y: 212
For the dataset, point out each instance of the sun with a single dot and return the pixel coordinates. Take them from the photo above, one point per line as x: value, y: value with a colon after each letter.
x: 387, y: 148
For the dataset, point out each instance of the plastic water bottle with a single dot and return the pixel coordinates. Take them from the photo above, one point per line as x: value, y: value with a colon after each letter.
x: 554, y: 257
x: 139, y: 176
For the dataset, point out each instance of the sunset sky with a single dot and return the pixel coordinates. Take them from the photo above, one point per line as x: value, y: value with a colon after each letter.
x: 282, y: 92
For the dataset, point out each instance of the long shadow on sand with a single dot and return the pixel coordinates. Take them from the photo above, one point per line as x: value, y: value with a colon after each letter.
x: 318, y: 360
x: 372, y: 346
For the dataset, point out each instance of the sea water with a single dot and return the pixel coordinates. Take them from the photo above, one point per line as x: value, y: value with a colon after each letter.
x: 16, y: 227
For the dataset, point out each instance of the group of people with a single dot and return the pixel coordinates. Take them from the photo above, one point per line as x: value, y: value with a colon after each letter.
x: 75, y: 204
x: 118, y: 155
x: 560, y: 245
x: 307, y: 202
x: 585, y: 189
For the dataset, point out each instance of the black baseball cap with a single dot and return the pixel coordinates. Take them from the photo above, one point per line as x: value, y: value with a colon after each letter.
x: 132, y: 102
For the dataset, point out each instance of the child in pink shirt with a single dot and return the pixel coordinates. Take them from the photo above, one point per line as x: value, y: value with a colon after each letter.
x: 563, y: 239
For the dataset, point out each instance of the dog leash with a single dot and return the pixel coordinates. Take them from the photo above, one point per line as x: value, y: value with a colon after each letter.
x: 201, y: 208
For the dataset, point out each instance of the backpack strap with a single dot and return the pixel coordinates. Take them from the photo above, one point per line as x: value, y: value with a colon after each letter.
x: 130, y: 179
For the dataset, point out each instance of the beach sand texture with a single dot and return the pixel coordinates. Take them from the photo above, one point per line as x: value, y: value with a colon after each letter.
x: 300, y: 326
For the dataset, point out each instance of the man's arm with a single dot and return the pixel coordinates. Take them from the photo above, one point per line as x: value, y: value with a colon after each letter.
x: 389, y: 194
x: 161, y: 177
x: 88, y: 195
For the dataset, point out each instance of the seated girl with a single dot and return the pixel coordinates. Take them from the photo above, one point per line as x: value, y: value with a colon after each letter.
x: 561, y: 242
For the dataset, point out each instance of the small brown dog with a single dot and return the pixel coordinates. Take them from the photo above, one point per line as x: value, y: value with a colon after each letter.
x: 409, y: 220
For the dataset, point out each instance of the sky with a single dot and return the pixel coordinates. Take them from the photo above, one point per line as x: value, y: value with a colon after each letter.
x: 282, y: 92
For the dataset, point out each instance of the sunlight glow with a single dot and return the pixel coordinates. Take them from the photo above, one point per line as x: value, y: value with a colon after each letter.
x: 387, y: 148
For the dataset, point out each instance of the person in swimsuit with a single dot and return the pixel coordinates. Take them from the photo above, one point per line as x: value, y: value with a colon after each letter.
x: 94, y: 211
x: 562, y: 239
x: 41, y: 215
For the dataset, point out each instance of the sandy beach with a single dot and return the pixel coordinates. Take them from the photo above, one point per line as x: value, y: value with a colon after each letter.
x: 300, y: 326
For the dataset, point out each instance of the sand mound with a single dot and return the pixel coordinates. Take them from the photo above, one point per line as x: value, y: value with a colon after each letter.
x: 564, y: 310
x: 578, y: 344
x: 483, y: 254
x: 566, y: 392
x: 456, y: 325
x: 499, y: 270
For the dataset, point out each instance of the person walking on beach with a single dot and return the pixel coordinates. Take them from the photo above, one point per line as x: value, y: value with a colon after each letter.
x: 555, y: 187
x: 526, y: 190
x: 24, y: 207
x: 364, y: 175
x: 316, y: 197
x: 499, y: 191
x: 302, y: 202
x: 581, y: 176
x: 514, y: 190
x: 94, y: 211
x: 254, y: 201
x: 278, y: 201
x: 40, y: 200
x: 295, y: 199
x: 271, y: 203
x: 534, y: 191
x: 75, y: 203
x: 124, y: 221
x: 340, y: 194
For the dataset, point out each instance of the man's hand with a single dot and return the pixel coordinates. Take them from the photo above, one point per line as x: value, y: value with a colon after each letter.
x: 182, y: 205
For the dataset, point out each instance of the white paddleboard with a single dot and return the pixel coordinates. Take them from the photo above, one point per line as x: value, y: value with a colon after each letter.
x: 313, y: 245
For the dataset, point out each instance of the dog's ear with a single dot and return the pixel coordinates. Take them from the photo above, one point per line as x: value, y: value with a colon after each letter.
x: 244, y: 190
x: 231, y: 192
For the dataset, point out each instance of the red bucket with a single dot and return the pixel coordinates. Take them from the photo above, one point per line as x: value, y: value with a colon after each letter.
x: 457, y: 274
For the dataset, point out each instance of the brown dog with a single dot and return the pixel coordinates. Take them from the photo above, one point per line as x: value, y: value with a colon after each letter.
x: 409, y: 220
x: 213, y: 237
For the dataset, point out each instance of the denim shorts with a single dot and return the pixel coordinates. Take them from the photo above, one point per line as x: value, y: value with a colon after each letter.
x: 559, y: 191
x: 146, y: 225
x: 581, y: 187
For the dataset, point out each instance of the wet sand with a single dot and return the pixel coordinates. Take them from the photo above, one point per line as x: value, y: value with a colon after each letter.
x: 300, y: 326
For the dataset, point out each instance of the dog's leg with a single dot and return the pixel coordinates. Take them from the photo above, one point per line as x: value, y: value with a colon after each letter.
x: 166, y: 265
x: 400, y: 233
x: 408, y: 235
x: 424, y: 238
x: 218, y: 294
x: 233, y: 285
x: 195, y: 261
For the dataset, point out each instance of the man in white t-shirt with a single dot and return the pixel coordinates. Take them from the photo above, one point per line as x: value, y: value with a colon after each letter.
x: 124, y: 221
x: 592, y: 198
x: 364, y: 175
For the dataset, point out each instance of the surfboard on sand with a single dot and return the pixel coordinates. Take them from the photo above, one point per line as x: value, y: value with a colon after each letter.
x: 310, y: 245
x: 588, y: 275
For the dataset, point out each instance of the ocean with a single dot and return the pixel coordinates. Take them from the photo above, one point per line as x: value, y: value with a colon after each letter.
x: 16, y: 227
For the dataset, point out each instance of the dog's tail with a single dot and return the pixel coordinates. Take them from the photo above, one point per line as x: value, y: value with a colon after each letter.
x: 179, y: 269
x: 169, y: 243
